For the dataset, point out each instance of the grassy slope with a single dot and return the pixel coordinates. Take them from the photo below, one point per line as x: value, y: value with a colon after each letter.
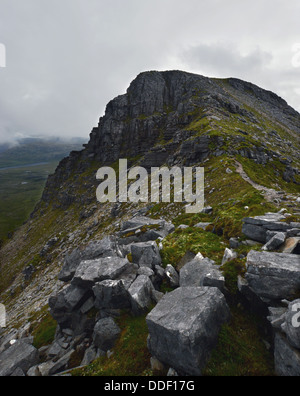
x: 17, y: 199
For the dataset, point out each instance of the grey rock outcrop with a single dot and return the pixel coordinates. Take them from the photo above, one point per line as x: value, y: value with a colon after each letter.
x: 141, y: 294
x: 92, y: 271
x: 201, y: 272
x: 184, y: 327
x: 111, y: 294
x: 273, y: 276
x: 146, y: 254
x: 106, y: 332
x: 97, y: 249
x: 21, y: 355
x: 257, y: 228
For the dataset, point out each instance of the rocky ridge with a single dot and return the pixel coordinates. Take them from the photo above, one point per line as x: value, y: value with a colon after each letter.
x: 112, y: 257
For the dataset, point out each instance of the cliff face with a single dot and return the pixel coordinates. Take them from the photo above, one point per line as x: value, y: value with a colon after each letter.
x: 181, y: 118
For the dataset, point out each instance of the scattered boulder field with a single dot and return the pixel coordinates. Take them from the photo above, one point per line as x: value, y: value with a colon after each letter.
x: 125, y: 271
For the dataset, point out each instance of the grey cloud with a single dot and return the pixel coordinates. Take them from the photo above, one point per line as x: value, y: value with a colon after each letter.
x: 226, y: 59
x: 67, y: 58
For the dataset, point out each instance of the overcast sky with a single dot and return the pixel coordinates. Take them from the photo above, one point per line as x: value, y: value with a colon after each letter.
x: 65, y: 59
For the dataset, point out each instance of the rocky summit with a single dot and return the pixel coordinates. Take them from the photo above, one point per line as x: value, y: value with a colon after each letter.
x: 142, y: 289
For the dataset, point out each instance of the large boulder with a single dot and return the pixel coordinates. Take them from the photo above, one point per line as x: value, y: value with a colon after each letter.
x: 68, y: 300
x: 201, y: 272
x: 146, y: 254
x: 97, y: 249
x: 66, y: 307
x: 141, y: 294
x: 106, y: 333
x: 20, y: 355
x: 111, y: 294
x: 273, y: 276
x: 92, y: 271
x: 184, y: 327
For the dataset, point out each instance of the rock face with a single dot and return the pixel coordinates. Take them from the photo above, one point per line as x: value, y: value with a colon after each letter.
x: 184, y: 327
x: 273, y: 276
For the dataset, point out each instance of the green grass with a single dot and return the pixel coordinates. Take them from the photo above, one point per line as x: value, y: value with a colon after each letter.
x: 130, y: 355
x: 17, y: 199
x: 194, y: 240
x: 240, y: 351
x: 43, y: 330
x: 270, y: 175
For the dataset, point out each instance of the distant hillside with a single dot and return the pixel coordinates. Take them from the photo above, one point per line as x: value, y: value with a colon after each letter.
x: 33, y: 150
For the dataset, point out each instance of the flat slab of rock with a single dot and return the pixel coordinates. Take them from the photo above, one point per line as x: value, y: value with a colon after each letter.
x: 21, y: 356
x: 273, y: 275
x: 92, y: 271
x: 184, y: 327
x: 256, y: 228
x: 96, y: 249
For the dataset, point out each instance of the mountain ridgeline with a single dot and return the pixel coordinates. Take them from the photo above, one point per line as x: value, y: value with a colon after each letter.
x: 82, y: 277
x: 178, y: 118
